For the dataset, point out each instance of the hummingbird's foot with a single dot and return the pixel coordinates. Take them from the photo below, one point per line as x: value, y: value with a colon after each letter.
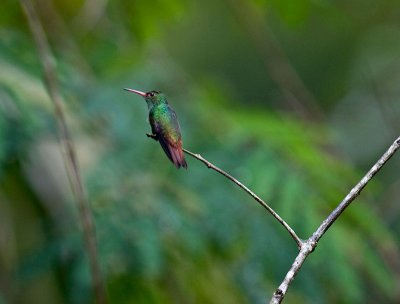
x: 153, y: 136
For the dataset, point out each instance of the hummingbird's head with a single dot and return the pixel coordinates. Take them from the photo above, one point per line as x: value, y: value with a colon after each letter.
x: 152, y: 98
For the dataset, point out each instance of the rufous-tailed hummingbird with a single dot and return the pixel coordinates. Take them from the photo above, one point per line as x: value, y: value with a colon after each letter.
x: 164, y: 126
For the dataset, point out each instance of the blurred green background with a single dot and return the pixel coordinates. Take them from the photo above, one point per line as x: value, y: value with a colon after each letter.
x: 297, y: 99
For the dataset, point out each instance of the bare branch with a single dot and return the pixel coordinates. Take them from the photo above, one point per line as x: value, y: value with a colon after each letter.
x: 209, y: 165
x: 309, y: 246
x: 70, y: 159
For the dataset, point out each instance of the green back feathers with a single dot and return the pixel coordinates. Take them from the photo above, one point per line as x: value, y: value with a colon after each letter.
x: 165, y: 118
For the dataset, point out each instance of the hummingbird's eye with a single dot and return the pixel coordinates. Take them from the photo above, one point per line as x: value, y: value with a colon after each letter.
x: 151, y: 94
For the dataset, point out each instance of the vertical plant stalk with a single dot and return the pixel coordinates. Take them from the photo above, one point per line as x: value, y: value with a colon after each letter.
x: 70, y: 159
x: 209, y: 165
x: 309, y: 245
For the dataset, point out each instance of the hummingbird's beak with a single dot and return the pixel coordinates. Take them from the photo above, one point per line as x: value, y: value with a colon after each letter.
x: 136, y: 91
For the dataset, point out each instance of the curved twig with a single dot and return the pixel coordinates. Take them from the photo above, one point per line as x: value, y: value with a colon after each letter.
x: 298, y: 241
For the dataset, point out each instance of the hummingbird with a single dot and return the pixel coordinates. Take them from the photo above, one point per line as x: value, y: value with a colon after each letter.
x: 164, y: 126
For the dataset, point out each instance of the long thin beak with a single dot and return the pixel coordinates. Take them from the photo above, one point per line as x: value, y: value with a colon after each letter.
x: 136, y: 91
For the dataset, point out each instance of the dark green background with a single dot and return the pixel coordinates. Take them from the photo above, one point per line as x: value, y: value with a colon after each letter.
x: 230, y: 69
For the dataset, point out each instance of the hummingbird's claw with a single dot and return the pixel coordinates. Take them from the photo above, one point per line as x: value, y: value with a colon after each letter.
x: 153, y: 136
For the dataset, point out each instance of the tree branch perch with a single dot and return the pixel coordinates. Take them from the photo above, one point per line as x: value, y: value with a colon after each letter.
x: 309, y: 246
x: 209, y: 165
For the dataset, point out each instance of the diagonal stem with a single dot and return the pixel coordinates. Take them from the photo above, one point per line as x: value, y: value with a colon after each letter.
x: 70, y: 158
x: 298, y: 241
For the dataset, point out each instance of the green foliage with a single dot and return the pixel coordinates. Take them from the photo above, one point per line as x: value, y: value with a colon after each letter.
x: 177, y: 236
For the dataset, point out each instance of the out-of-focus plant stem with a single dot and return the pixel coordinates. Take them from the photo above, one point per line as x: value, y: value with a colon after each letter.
x: 296, y: 95
x: 70, y: 158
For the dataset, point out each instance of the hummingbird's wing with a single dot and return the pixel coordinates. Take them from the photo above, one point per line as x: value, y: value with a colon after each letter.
x: 164, y: 124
